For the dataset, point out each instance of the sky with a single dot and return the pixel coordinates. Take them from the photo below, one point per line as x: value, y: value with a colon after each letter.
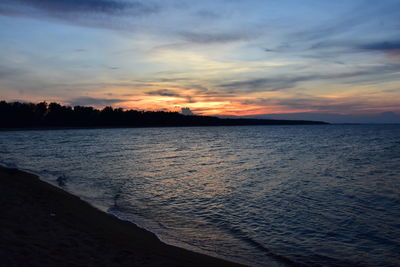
x: 219, y: 57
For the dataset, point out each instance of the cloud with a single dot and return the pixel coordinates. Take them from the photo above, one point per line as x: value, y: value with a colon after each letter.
x: 10, y: 72
x: 346, y: 46
x: 287, y: 82
x: 82, y: 6
x: 386, y: 46
x: 89, y: 101
x: 207, y: 14
x: 79, y: 6
x: 269, y: 84
x: 343, y: 33
x: 214, y: 38
x: 81, y: 12
x: 324, y: 104
x: 186, y: 111
x: 164, y: 92
x: 315, y: 104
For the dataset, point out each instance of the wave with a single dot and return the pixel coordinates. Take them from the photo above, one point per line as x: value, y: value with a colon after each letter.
x: 238, y: 233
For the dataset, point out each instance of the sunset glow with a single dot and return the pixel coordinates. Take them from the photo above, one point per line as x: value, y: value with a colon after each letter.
x: 215, y: 57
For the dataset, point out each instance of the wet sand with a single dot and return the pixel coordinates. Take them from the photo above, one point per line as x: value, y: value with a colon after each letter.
x: 42, y: 225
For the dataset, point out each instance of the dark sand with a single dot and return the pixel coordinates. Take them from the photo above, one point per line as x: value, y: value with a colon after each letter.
x: 42, y: 225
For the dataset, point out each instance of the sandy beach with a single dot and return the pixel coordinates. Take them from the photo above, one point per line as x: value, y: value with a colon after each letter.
x: 42, y: 225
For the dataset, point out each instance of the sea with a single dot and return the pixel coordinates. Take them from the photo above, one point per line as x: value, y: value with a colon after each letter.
x: 260, y: 195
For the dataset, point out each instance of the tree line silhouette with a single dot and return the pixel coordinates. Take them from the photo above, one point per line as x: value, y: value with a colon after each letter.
x: 30, y: 115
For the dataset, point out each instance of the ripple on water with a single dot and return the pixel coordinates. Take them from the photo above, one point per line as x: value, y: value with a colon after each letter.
x: 326, y: 195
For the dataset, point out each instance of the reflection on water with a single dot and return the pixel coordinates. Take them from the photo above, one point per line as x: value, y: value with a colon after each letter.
x: 306, y: 194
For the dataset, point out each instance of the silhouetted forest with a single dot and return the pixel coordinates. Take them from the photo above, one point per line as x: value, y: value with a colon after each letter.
x: 30, y: 115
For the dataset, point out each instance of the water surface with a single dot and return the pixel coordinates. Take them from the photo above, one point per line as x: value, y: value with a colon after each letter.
x: 326, y: 194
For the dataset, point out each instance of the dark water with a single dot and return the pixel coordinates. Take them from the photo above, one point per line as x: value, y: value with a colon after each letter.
x: 326, y: 195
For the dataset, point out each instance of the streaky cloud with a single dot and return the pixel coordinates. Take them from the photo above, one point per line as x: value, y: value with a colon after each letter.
x: 207, y: 14
x: 279, y: 83
x: 84, y: 101
x: 321, y: 104
x: 287, y: 82
x: 213, y: 38
x: 266, y: 84
x: 347, y: 46
x: 331, y: 38
x: 8, y: 71
x: 163, y: 92
x: 106, y: 6
x: 105, y: 14
x: 386, y: 46
x: 81, y: 6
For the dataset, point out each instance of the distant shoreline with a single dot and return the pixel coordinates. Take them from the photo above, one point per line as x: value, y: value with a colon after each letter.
x: 246, y: 122
x: 46, y: 226
x: 60, y: 128
x: 45, y: 128
x: 16, y: 115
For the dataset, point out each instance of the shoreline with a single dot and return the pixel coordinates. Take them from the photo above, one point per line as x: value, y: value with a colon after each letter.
x: 43, y: 225
x: 56, y: 128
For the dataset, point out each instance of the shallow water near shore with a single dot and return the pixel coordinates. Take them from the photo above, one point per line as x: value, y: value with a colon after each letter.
x: 326, y: 194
